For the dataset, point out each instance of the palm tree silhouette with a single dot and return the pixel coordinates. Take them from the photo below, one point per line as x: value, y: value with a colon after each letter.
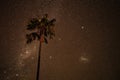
x: 41, y: 30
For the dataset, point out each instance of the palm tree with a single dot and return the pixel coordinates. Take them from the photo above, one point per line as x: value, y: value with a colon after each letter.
x: 42, y: 29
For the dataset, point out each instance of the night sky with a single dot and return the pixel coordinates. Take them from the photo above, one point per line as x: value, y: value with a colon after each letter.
x: 86, y: 45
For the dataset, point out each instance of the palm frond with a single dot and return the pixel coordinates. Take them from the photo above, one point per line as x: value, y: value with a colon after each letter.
x: 32, y: 36
x: 44, y: 22
x: 33, y: 24
x: 45, y: 40
x: 52, y: 22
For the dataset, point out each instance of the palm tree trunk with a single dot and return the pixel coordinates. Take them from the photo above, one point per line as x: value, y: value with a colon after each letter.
x: 38, y: 63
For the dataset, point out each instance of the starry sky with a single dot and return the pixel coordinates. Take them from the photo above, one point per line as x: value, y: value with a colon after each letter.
x: 86, y: 45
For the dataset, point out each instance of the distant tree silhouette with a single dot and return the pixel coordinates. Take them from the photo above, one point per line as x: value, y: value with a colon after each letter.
x: 41, y: 30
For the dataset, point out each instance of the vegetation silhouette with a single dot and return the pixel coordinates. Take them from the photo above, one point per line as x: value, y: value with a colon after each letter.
x: 40, y: 29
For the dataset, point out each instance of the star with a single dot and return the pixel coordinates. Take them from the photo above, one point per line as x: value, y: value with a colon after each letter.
x: 27, y: 52
x: 83, y: 59
x: 59, y: 39
x: 82, y: 27
x: 32, y: 58
x: 16, y: 74
x: 50, y: 57
x: 5, y: 72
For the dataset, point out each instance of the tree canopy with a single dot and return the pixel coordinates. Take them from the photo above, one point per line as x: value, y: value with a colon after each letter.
x: 41, y: 29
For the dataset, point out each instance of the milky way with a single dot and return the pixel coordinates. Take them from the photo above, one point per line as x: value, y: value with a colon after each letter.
x: 86, y: 45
